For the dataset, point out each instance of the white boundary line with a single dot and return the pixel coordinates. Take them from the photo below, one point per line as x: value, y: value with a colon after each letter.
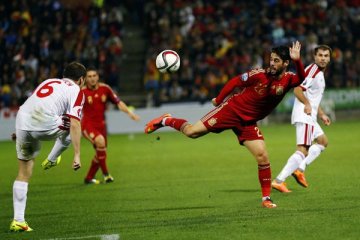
x: 101, y: 237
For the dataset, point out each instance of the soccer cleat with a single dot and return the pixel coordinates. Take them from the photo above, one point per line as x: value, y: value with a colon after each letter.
x: 16, y: 226
x: 91, y: 181
x: 268, y: 203
x: 47, y: 164
x: 108, y: 178
x: 155, y: 124
x: 300, y: 178
x: 281, y: 187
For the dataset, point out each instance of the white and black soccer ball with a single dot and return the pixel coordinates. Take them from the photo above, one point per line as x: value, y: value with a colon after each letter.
x: 168, y: 61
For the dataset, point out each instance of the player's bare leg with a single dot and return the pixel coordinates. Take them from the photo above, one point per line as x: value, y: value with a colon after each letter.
x: 194, y: 131
x: 258, y: 150
x: 181, y: 125
x: 20, y: 189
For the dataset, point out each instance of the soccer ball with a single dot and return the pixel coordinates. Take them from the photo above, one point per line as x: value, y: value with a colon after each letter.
x: 168, y: 61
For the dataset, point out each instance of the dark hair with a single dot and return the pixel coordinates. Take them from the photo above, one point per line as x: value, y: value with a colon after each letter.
x: 74, y: 71
x: 91, y: 68
x: 282, y: 52
x: 324, y: 48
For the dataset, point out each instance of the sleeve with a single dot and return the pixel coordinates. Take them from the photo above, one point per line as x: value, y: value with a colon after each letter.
x: 241, y: 81
x: 307, y: 83
x: 112, y: 96
x: 76, y: 103
x: 300, y: 74
x: 311, y: 73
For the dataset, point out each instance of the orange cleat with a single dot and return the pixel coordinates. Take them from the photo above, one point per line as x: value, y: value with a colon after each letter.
x: 300, y: 178
x: 281, y: 187
x: 268, y: 203
x: 155, y: 124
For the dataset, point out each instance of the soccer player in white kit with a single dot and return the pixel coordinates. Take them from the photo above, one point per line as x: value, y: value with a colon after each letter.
x: 52, y: 112
x: 310, y: 138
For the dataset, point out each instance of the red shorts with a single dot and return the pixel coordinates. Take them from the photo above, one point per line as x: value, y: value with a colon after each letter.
x: 91, y: 132
x: 223, y: 118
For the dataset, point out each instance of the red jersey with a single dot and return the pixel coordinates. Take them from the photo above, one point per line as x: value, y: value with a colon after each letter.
x: 95, y: 104
x: 259, y: 92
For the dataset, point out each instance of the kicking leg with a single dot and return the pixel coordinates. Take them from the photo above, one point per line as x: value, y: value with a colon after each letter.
x: 61, y: 144
x: 181, y: 125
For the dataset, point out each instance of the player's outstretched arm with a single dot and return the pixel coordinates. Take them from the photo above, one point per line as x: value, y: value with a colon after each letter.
x: 75, y: 134
x: 295, y: 51
x: 124, y: 108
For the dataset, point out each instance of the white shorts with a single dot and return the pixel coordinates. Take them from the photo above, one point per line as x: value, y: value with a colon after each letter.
x: 28, y: 142
x: 307, y: 133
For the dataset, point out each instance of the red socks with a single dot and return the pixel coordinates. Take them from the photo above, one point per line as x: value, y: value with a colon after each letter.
x: 265, y: 179
x: 98, y: 161
x: 93, y: 169
x: 176, y: 123
x: 101, y: 157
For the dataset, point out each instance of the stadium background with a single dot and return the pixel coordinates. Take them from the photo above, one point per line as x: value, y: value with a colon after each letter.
x: 215, y: 39
x: 208, y: 189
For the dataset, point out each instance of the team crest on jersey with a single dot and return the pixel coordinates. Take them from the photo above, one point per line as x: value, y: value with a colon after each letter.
x: 260, y: 88
x: 212, y: 121
x: 279, y: 90
x: 89, y: 99
x: 244, y: 77
x: 103, y: 98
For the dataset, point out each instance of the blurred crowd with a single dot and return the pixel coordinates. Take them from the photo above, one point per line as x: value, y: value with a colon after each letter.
x: 39, y: 37
x: 217, y: 40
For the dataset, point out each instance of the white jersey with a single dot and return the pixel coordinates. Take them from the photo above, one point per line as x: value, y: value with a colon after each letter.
x: 52, y: 99
x: 313, y: 87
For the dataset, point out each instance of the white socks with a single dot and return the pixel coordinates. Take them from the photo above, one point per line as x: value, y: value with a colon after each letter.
x: 19, y: 200
x: 314, y: 152
x: 291, y: 165
x: 58, y: 148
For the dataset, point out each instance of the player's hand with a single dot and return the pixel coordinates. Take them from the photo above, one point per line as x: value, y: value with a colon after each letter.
x: 213, y: 101
x: 307, y: 109
x: 295, y: 50
x: 134, y: 116
x: 326, y: 120
x: 13, y: 136
x: 76, y: 163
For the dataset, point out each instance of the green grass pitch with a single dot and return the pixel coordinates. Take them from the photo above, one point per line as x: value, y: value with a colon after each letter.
x: 180, y: 188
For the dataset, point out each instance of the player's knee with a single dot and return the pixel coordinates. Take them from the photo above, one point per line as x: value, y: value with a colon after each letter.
x: 99, y: 142
x: 323, y: 141
x: 193, y: 135
x: 190, y: 133
x: 262, y: 158
x: 324, y: 144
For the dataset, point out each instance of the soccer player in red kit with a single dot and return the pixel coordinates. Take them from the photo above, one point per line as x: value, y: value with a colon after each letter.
x: 243, y: 101
x: 93, y: 122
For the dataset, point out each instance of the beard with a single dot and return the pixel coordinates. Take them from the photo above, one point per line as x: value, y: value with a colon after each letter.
x: 276, y: 72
